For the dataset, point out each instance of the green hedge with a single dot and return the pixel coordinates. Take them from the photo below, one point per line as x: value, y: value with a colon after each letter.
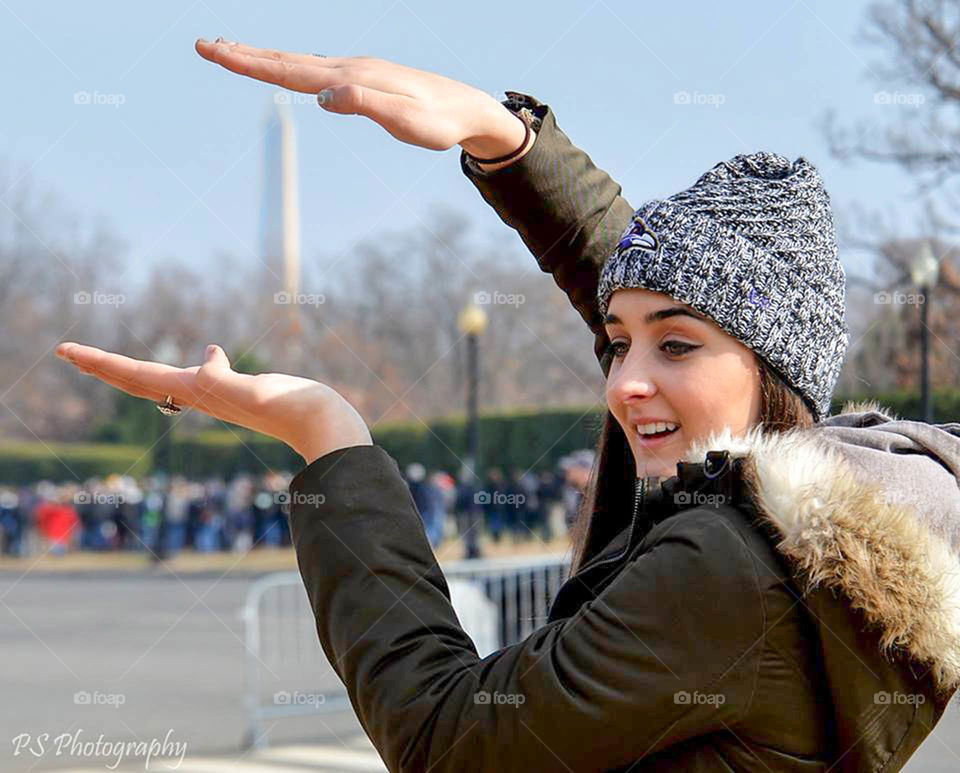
x: 523, y: 438
x: 26, y: 462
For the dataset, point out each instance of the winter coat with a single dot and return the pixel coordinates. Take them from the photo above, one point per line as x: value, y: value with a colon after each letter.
x: 788, y: 602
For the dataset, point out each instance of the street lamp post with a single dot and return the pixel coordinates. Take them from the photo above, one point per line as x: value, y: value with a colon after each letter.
x: 166, y: 351
x: 472, y: 322
x: 924, y: 271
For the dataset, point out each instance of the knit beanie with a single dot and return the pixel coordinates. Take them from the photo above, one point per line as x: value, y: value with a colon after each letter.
x: 752, y: 246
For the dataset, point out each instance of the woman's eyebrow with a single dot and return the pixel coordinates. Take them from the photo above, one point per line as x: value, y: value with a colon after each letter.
x: 656, y: 316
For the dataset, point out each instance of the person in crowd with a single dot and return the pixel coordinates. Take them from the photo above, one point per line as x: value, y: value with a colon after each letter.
x: 175, y: 516
x: 11, y: 522
x: 239, y: 518
x: 492, y: 499
x: 576, y: 474
x: 429, y: 500
x: 465, y: 504
x: 57, y: 520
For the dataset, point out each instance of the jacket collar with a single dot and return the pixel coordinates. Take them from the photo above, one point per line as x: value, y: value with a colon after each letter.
x: 659, y: 497
x: 840, y: 531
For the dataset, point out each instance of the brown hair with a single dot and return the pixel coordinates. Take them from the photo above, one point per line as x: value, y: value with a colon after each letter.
x: 607, y: 503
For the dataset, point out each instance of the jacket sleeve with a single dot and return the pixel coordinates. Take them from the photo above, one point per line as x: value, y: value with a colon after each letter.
x: 668, y: 651
x: 569, y: 213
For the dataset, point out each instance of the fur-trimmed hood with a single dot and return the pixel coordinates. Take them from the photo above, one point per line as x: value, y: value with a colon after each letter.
x: 868, y: 508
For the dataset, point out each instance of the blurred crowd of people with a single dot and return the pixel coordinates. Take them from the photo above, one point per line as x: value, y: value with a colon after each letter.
x: 158, y: 514
x: 520, y: 503
x: 162, y: 515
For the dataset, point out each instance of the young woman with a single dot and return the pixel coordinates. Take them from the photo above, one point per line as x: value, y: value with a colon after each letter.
x: 758, y: 586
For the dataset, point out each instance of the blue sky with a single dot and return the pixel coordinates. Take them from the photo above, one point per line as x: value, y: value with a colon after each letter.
x: 175, y: 170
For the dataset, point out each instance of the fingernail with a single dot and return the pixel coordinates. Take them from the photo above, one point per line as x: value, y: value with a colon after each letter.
x: 225, y: 42
x: 325, y: 96
x: 210, y: 350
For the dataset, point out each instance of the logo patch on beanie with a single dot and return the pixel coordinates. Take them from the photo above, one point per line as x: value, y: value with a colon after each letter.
x: 638, y: 234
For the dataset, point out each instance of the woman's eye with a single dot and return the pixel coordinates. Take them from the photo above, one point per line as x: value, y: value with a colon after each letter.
x: 676, y: 348
x: 613, y: 348
x: 684, y: 348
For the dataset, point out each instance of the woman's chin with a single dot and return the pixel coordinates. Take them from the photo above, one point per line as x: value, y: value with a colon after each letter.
x: 661, y: 464
x: 656, y: 468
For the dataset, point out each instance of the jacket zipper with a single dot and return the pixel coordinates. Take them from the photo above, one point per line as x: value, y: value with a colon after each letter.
x: 639, y: 492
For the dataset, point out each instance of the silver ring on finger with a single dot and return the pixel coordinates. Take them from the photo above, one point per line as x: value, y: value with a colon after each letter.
x: 168, y: 407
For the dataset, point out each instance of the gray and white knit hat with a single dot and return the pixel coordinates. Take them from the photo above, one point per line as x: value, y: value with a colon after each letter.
x: 752, y: 246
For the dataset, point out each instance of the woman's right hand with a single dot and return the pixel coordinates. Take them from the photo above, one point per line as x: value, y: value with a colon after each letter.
x: 415, y: 106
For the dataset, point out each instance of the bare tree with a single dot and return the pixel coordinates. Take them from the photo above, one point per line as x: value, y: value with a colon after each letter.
x: 917, y: 75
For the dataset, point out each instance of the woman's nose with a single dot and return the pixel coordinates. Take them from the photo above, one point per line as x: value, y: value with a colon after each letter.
x: 631, y: 382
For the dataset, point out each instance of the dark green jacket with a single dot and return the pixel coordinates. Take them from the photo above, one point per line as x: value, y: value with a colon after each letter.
x: 760, y: 634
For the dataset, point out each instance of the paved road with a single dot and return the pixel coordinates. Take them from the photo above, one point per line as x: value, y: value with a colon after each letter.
x: 171, y: 649
x: 161, y: 656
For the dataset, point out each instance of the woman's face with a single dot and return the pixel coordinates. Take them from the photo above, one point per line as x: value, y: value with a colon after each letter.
x: 668, y: 366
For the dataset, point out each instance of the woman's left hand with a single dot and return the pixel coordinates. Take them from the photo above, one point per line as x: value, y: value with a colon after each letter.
x: 310, y: 417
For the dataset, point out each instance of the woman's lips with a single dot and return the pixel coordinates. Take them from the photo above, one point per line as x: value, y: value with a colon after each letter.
x: 646, y: 441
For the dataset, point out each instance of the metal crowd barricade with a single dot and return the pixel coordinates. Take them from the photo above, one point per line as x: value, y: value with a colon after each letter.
x: 283, y: 655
